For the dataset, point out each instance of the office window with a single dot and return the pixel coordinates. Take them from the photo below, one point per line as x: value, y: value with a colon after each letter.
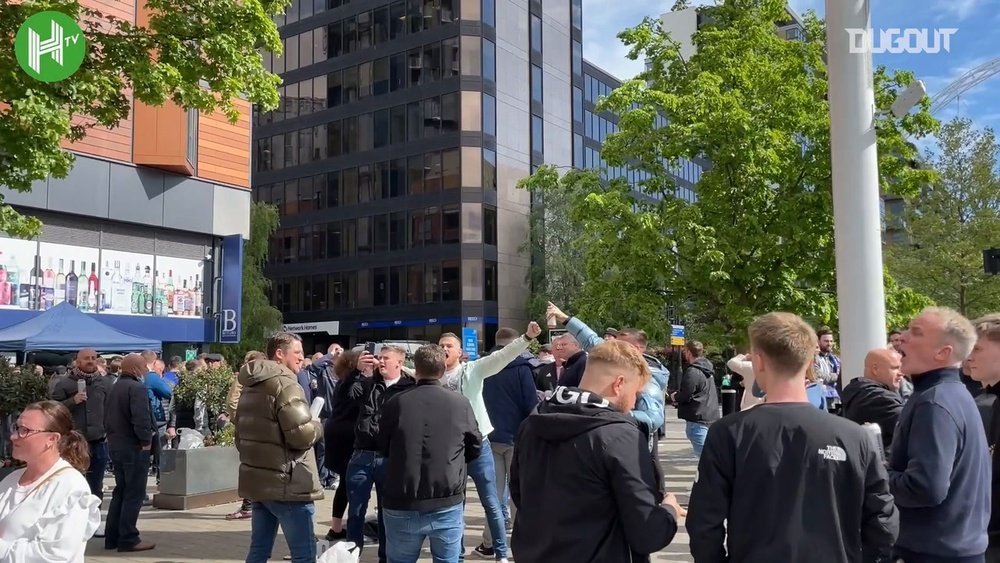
x: 366, y: 130
x: 578, y: 151
x: 432, y: 172
x: 364, y: 30
x: 432, y: 117
x: 397, y: 178
x: 577, y: 58
x: 350, y: 85
x: 350, y: 186
x: 397, y: 72
x: 536, y: 33
x: 415, y: 121
x: 364, y: 235
x: 415, y: 15
x: 471, y: 9
x: 432, y: 226
x: 397, y: 285
x: 291, y: 150
x: 489, y: 60
x: 447, y: 10
x: 349, y: 127
x: 380, y: 76
x: 363, y: 286
x: 364, y: 80
x: 415, y: 284
x: 292, y: 13
x: 432, y: 283
x: 451, y: 224
x: 577, y: 105
x: 489, y: 169
x: 472, y: 111
x: 450, y: 112
x: 350, y: 35
x: 417, y: 219
x: 489, y: 115
x: 366, y: 184
x: 450, y: 58
x: 397, y: 124
x: 334, y: 88
x: 415, y: 174
x: 334, y: 139
x: 397, y: 19
x: 380, y: 285
x: 305, y: 145
x: 334, y: 195
x: 536, y: 84
x: 290, y: 102
x: 306, y: 49
x: 380, y: 25
x: 320, y: 91
x: 472, y: 223
x: 432, y: 63
x: 490, y: 282
x: 451, y: 281
x: 451, y: 168
x: 472, y: 55
x: 489, y: 225
x: 380, y: 180
x: 576, y: 9
x: 381, y: 235
x: 415, y: 65
x: 291, y: 54
x: 489, y: 13
x: 537, y: 134
x: 397, y: 231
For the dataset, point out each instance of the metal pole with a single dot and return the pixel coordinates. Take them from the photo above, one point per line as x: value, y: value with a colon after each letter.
x: 856, y: 216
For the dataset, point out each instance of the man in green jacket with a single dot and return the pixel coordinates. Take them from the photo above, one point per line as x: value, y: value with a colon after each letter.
x: 275, y: 434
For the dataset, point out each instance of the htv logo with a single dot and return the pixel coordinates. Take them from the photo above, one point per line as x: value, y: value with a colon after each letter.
x: 54, y: 46
x: 65, y: 46
x: 895, y: 40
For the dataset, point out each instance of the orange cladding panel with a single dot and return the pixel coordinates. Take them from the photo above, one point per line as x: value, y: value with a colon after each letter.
x: 113, y: 143
x: 161, y: 137
x: 224, y: 147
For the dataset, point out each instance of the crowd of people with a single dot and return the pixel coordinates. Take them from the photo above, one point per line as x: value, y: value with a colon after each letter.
x: 561, y: 445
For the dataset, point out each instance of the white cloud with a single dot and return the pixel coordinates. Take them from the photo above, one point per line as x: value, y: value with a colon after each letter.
x: 956, y: 10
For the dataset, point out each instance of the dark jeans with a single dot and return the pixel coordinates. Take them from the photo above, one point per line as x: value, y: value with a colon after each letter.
x: 365, y: 469
x: 325, y: 476
x: 131, y: 472
x: 98, y: 464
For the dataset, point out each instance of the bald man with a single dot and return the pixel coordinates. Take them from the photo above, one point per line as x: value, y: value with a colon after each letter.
x: 85, y: 402
x: 875, y: 397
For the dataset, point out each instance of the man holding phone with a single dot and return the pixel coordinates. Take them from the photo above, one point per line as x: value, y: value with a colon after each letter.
x: 84, y: 392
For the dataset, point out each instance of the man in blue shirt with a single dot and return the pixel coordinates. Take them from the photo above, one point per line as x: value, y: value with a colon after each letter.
x: 939, y: 471
x: 158, y: 391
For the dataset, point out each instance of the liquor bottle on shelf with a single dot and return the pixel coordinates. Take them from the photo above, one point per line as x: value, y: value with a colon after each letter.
x: 197, y: 296
x: 180, y: 299
x: 49, y: 276
x: 71, y: 284
x: 168, y: 291
x: 35, y: 285
x: 120, y: 291
x: 4, y: 284
x: 107, y: 295
x: 14, y: 278
x: 189, y: 299
x: 60, y: 295
x: 147, y: 292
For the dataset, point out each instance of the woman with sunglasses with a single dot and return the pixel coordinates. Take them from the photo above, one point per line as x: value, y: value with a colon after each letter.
x: 47, y: 512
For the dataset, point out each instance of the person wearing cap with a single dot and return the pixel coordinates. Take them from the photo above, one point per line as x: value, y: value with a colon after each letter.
x: 611, y: 334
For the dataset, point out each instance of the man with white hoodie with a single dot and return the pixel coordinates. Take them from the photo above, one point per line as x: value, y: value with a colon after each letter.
x: 467, y: 378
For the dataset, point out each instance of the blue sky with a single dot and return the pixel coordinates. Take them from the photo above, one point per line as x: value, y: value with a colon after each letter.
x: 977, y: 41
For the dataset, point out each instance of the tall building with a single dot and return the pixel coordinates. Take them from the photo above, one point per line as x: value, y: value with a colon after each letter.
x: 393, y: 159
x: 134, y: 233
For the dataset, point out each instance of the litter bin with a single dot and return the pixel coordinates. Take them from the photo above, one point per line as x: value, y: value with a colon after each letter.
x: 728, y: 401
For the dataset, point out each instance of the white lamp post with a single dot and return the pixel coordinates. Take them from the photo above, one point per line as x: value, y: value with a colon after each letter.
x: 856, y: 209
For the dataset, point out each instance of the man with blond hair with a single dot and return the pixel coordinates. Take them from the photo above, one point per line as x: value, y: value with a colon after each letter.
x: 582, y: 471
x: 785, y: 481
x: 984, y: 367
x: 940, y: 469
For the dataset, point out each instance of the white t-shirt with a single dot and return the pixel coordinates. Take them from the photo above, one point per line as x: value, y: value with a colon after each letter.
x: 48, y: 521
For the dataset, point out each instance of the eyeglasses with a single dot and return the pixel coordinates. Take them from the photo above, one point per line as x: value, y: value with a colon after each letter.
x: 22, y: 432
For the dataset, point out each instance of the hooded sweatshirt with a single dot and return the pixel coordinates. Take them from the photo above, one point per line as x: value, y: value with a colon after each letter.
x: 697, y: 400
x: 275, y: 434
x: 510, y: 397
x: 583, y: 473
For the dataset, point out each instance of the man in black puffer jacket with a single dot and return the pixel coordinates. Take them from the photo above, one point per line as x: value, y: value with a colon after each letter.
x: 875, y: 397
x: 696, y: 399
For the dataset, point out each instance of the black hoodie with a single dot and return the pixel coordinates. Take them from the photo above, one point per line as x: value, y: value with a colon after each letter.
x: 375, y: 395
x: 866, y: 400
x: 697, y: 400
x: 583, y: 482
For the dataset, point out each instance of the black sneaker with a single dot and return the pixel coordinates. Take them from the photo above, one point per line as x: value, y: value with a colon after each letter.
x: 336, y: 536
x: 484, y: 551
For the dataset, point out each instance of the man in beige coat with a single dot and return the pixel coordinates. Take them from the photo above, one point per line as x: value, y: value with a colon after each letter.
x: 275, y: 434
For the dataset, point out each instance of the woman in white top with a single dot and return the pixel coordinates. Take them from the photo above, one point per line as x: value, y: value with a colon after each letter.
x: 47, y: 513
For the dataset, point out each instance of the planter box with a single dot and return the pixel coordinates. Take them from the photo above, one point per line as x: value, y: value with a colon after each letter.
x: 197, y: 478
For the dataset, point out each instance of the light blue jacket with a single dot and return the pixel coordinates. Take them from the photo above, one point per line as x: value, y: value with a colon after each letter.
x: 650, y: 405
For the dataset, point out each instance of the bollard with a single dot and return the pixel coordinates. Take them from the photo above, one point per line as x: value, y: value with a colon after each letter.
x: 728, y: 401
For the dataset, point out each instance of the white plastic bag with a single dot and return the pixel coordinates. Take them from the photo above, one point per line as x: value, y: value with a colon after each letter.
x: 190, y: 439
x: 340, y: 552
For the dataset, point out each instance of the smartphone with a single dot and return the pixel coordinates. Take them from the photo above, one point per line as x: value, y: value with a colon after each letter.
x: 81, y: 386
x: 370, y: 348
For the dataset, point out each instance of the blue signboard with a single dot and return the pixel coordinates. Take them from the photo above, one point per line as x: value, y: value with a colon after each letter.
x: 677, y: 335
x: 470, y: 343
x: 231, y: 297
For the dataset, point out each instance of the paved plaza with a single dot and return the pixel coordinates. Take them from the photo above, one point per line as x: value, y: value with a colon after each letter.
x: 205, y: 535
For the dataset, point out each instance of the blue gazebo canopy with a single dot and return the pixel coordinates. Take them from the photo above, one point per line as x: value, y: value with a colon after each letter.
x: 65, y: 328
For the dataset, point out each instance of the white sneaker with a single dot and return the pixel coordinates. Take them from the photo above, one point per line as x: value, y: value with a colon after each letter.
x: 504, y: 560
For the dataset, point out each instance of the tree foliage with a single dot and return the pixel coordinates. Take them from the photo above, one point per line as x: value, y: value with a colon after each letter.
x: 951, y: 221
x: 759, y: 237
x: 197, y: 54
x: 260, y: 319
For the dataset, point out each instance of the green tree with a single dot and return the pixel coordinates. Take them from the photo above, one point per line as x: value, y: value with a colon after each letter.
x: 759, y: 237
x: 260, y: 319
x: 952, y: 220
x: 196, y: 54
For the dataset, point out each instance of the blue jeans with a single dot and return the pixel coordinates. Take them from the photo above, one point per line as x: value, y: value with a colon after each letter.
x: 696, y: 433
x: 98, y: 464
x: 131, y: 472
x: 365, y: 469
x: 484, y: 475
x: 296, y: 521
x: 406, y: 530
